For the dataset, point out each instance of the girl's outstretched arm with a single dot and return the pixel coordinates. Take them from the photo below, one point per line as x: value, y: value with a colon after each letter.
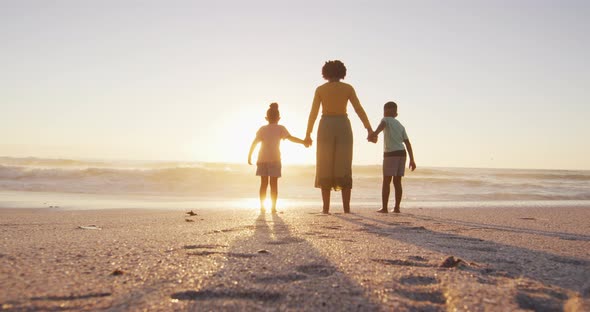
x: 297, y: 140
x: 252, y: 147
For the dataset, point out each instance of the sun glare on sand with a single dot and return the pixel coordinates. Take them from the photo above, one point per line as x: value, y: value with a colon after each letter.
x: 254, y: 203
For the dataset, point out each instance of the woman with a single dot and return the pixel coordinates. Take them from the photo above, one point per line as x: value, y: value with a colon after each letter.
x: 334, y: 137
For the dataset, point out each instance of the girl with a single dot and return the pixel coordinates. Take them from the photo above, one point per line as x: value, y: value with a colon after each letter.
x: 269, y: 156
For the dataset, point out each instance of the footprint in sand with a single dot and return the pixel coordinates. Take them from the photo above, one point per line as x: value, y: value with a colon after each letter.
x: 282, y: 278
x: 469, y: 247
x: 418, y: 258
x: 571, y: 261
x: 212, y: 246
x: 431, y: 296
x: 540, y: 300
x: 71, y: 297
x: 228, y: 254
x: 333, y: 227
x: 316, y: 270
x: 418, y: 280
x: 285, y: 241
x: 461, y: 238
x: 222, y: 231
x: 312, y: 233
x: 400, y: 262
x: 226, y: 294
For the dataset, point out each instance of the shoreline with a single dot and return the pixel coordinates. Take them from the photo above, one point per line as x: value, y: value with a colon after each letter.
x: 510, y: 259
x: 90, y: 201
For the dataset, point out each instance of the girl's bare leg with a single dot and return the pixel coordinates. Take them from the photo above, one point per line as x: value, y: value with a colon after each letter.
x: 274, y: 192
x: 263, y: 186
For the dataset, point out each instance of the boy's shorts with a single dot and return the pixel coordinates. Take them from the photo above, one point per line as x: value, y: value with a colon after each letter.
x: 268, y: 169
x: 394, y: 166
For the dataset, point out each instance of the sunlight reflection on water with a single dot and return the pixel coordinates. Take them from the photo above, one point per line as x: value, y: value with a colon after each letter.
x: 14, y: 199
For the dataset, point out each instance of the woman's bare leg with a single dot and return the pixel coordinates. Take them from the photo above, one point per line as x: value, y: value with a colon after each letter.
x: 346, y: 199
x: 326, y: 199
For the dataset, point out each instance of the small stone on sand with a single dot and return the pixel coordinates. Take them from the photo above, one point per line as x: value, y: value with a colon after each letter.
x: 89, y: 227
x: 450, y: 262
x: 117, y: 272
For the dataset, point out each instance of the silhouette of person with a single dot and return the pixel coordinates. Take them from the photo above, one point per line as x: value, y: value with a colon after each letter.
x: 334, y: 136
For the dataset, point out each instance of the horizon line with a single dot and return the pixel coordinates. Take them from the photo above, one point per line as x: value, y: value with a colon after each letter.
x: 245, y: 163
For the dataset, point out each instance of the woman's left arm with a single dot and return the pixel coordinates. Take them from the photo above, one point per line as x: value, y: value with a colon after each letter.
x: 356, y: 104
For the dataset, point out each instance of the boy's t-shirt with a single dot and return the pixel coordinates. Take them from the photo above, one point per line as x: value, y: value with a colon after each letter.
x: 395, y: 135
x: 270, y: 137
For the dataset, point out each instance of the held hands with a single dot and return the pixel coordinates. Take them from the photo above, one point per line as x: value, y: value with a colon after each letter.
x: 307, y: 141
x: 372, y: 136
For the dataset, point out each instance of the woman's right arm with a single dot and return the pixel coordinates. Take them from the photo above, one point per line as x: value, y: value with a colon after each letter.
x: 313, y: 115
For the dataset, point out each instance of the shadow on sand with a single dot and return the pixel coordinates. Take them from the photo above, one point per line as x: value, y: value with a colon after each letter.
x: 497, y: 259
x: 276, y: 270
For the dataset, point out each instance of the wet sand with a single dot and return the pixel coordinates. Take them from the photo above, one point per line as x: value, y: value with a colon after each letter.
x: 505, y: 259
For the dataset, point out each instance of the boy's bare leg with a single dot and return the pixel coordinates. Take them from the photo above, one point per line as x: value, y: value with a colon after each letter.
x: 346, y: 199
x: 326, y: 200
x: 263, y: 186
x: 397, y: 184
x: 274, y: 192
x: 385, y: 190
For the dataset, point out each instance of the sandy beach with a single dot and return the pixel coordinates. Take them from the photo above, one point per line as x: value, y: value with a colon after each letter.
x: 505, y: 259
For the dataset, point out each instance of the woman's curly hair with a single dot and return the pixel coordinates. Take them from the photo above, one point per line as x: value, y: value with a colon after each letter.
x: 334, y: 70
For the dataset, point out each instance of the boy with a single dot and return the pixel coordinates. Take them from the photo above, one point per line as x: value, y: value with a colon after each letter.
x: 394, y: 154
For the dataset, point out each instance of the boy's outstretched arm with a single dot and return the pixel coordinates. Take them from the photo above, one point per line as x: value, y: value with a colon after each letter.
x: 375, y: 134
x: 252, y: 147
x: 411, y: 153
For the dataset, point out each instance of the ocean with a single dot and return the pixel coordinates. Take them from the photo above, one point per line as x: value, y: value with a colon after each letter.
x: 83, y: 184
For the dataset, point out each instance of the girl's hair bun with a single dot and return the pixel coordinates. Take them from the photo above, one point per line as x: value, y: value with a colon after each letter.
x: 273, y: 112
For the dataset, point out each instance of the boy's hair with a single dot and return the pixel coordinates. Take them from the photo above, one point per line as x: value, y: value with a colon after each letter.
x: 272, y: 114
x: 390, y: 105
x: 334, y: 70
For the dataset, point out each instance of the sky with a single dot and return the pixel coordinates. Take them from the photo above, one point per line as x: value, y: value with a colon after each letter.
x: 493, y: 84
